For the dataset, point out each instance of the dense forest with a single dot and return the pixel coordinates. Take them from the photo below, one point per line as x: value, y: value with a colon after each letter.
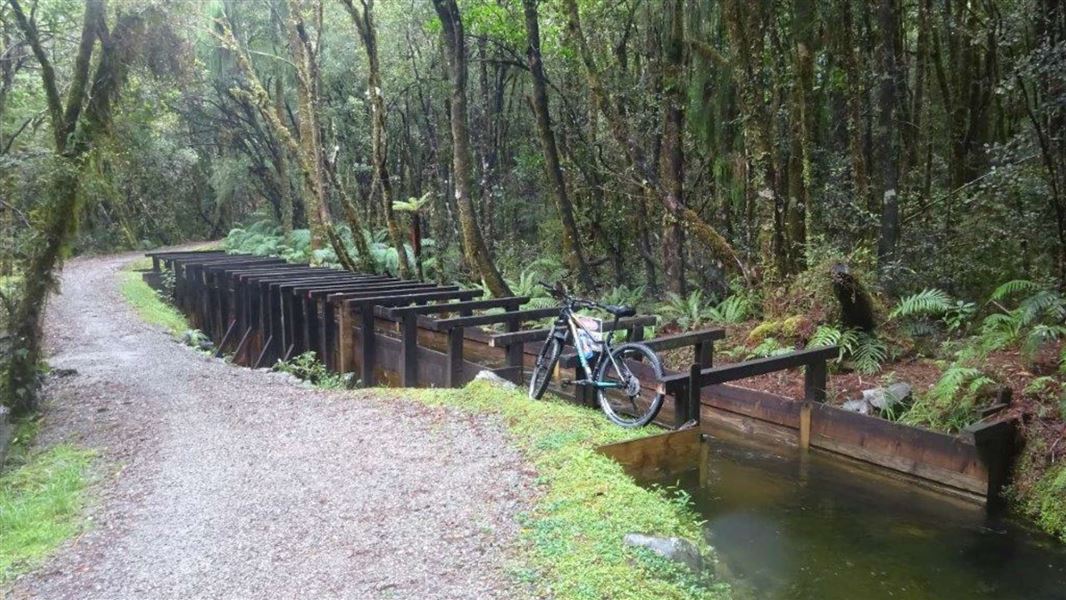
x: 763, y: 164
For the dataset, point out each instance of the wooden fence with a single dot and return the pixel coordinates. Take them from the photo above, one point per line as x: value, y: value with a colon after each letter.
x: 388, y: 331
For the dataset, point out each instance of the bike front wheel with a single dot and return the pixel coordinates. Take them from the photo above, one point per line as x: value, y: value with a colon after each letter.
x: 542, y: 370
x: 626, y: 385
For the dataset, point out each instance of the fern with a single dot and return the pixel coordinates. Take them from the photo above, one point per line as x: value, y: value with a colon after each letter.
x: 869, y: 354
x: 950, y: 404
x: 734, y: 309
x: 1010, y: 288
x: 926, y: 303
x: 624, y: 295
x: 769, y: 347
x: 860, y: 351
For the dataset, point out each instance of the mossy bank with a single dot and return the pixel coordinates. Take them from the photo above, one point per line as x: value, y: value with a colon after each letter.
x: 572, y: 538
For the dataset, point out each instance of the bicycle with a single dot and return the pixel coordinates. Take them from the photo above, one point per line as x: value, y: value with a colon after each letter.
x: 618, y: 387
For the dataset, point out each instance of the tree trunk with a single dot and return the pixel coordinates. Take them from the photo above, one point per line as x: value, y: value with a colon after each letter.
x: 364, y: 24
x: 850, y: 60
x: 804, y: 26
x: 672, y: 160
x: 281, y: 166
x: 73, y: 140
x: 473, y: 243
x: 572, y: 246
x: 888, y: 141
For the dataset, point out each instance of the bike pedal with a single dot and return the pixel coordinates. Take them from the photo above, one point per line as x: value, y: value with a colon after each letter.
x: 566, y: 382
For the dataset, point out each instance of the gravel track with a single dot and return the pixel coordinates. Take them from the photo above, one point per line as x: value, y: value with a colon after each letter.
x: 217, y: 481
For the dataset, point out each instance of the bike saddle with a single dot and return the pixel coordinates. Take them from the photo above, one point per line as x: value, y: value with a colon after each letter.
x: 620, y: 310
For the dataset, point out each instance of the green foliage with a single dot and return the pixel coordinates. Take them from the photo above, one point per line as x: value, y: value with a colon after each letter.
x: 693, y: 310
x: 769, y: 347
x: 307, y: 367
x: 41, y: 501
x: 1036, y: 320
x: 573, y: 533
x: 951, y: 404
x: 148, y: 304
x: 413, y: 205
x: 621, y: 294
x: 928, y: 302
x: 528, y: 284
x: 859, y: 350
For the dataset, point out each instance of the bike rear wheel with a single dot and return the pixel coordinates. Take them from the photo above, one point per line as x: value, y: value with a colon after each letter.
x: 542, y: 370
x: 619, y: 379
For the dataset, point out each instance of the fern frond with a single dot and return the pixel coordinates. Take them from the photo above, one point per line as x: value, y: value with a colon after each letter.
x: 1013, y: 287
x: 869, y: 354
x: 928, y: 302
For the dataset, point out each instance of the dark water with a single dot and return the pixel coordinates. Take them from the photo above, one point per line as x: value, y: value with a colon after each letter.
x: 788, y: 526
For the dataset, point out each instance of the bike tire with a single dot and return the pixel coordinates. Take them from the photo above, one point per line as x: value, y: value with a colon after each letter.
x: 646, y: 405
x: 542, y: 369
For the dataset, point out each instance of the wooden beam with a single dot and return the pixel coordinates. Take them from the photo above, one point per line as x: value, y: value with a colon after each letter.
x: 751, y: 368
x: 456, y: 307
x: 535, y: 335
x: 512, y: 316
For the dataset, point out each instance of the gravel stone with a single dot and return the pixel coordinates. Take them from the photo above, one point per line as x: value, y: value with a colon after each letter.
x: 216, y: 481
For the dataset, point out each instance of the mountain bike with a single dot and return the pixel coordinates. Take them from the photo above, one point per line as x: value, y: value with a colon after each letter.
x: 615, y: 372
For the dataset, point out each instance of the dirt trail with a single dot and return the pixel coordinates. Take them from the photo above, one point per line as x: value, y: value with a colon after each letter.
x: 219, y: 481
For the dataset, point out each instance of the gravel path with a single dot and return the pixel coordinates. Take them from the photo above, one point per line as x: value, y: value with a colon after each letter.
x: 219, y: 481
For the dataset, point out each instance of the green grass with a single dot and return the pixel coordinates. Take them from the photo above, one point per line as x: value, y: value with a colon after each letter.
x: 147, y: 302
x: 573, y: 534
x: 42, y: 493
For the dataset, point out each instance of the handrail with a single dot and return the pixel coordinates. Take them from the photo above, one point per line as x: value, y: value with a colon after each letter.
x: 752, y: 368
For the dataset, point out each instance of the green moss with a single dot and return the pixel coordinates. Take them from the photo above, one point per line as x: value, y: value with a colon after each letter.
x: 1050, y: 500
x: 148, y: 304
x: 41, y: 499
x: 573, y: 535
x: 764, y: 330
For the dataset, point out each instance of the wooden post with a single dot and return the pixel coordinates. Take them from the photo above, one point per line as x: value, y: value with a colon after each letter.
x: 515, y: 352
x: 408, y: 349
x: 814, y: 381
x: 155, y: 264
x: 366, y: 340
x: 688, y: 406
x: 704, y: 353
x: 805, y: 425
x: 454, y: 376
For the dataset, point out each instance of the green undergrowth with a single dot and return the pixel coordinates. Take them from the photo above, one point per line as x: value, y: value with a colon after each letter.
x: 147, y: 303
x: 573, y: 534
x: 42, y: 494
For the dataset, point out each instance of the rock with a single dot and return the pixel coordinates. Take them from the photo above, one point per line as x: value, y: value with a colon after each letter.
x: 674, y: 549
x: 860, y: 406
x: 495, y: 379
x: 887, y: 397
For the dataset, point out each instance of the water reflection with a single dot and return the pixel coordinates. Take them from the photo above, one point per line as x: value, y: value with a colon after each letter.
x: 792, y: 526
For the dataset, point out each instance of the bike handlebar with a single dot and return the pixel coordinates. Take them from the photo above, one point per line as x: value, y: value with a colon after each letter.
x: 559, y: 293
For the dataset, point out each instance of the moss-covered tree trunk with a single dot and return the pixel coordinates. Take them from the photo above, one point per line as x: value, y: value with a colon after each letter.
x: 477, y: 252
x: 363, y: 17
x: 573, y: 249
x: 76, y: 130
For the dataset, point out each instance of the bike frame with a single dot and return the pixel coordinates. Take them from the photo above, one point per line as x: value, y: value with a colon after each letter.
x: 568, y: 320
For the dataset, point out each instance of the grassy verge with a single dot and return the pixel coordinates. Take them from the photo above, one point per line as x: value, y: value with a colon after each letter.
x: 42, y: 493
x: 573, y: 535
x: 147, y: 303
